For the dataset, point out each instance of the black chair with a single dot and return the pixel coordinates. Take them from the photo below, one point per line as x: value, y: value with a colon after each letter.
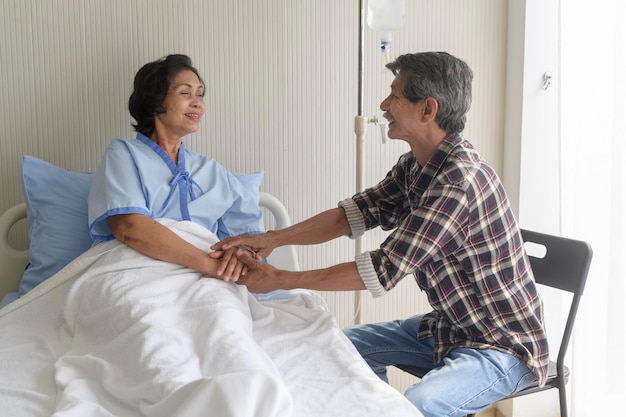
x: 564, y: 266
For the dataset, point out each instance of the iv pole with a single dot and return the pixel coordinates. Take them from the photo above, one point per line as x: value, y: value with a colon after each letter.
x: 361, y: 123
x: 360, y: 129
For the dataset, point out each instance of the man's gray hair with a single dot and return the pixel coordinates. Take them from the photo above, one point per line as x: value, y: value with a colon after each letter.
x: 439, y: 75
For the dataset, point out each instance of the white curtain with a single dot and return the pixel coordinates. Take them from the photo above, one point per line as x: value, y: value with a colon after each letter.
x: 593, y: 180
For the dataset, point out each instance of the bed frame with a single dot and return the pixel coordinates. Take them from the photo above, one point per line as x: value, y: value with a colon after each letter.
x: 13, y: 261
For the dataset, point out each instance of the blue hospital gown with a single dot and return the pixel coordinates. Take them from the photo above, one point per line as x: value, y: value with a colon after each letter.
x: 137, y: 176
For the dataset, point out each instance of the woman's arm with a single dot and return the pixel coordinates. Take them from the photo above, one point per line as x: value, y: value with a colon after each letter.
x: 151, y: 238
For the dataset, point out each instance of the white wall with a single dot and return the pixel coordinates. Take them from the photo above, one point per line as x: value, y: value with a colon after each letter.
x: 531, y: 158
x: 281, y: 81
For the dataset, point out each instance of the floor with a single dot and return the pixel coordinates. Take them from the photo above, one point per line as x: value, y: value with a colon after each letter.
x: 490, y: 412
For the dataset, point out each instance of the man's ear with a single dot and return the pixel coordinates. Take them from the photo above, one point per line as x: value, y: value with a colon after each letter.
x: 431, y: 107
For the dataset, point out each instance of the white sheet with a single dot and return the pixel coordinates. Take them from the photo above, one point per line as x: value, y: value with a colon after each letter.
x: 116, y: 333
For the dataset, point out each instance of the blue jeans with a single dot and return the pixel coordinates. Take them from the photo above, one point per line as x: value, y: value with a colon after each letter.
x: 467, y: 381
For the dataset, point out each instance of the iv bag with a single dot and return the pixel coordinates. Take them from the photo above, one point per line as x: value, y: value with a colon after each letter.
x: 385, y: 16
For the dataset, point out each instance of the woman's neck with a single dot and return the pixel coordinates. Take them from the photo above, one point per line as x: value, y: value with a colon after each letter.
x: 170, y: 145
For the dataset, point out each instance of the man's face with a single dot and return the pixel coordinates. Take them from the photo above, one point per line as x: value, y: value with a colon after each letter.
x: 403, y: 116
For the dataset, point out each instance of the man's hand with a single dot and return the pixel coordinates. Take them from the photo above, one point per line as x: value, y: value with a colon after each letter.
x: 260, y: 244
x: 261, y: 277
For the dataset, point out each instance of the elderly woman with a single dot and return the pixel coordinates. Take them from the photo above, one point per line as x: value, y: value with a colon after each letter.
x: 156, y: 176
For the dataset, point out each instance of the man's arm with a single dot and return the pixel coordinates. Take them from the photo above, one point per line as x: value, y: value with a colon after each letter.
x: 263, y: 278
x: 321, y: 228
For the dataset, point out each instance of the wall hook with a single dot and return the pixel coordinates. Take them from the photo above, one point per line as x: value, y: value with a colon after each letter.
x: 547, y: 79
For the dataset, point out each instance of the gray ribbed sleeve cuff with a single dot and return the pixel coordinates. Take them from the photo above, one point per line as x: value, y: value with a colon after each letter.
x: 368, y: 275
x: 354, y: 216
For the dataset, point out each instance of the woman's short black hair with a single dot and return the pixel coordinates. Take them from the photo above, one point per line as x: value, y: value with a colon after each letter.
x: 152, y: 82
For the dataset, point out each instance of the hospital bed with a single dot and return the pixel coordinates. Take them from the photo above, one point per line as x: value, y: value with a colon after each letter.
x: 89, y: 342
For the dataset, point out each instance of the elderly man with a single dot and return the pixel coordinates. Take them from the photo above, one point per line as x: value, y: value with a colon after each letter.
x: 452, y: 228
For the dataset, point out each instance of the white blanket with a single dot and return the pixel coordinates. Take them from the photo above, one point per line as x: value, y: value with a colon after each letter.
x: 140, y: 337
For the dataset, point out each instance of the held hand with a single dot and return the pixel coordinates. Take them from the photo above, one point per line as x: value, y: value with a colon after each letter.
x: 262, y: 244
x: 230, y: 268
x: 261, y: 277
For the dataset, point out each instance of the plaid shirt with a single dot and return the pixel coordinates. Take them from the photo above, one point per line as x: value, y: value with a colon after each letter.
x: 452, y: 228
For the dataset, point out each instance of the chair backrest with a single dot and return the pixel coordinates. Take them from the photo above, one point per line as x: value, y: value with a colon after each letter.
x: 563, y: 265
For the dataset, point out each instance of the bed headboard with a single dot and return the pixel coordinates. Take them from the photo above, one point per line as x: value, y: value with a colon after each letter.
x: 13, y: 261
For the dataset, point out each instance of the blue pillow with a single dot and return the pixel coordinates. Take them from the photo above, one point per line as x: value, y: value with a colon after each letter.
x: 56, y: 205
x: 252, y: 183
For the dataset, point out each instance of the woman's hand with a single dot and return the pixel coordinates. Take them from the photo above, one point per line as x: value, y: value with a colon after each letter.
x: 230, y: 268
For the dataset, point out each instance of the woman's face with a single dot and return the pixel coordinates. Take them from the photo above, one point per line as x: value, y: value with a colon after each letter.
x: 183, y: 106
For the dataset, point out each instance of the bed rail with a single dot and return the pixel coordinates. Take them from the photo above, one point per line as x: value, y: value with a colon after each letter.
x: 12, y: 260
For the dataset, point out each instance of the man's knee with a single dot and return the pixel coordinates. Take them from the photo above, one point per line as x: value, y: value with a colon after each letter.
x: 432, y: 403
x: 429, y: 405
x: 353, y: 334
